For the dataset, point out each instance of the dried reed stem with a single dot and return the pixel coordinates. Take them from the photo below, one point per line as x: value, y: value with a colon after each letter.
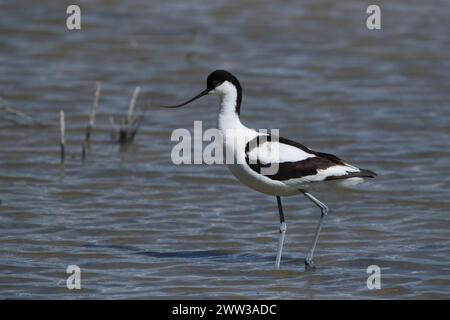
x: 98, y: 86
x: 132, y: 104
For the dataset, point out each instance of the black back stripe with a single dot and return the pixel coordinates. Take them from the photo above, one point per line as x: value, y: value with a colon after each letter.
x: 303, y: 168
x: 294, y: 170
x: 328, y: 156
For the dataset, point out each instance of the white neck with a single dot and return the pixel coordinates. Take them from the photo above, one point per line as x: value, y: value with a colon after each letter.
x: 228, y: 118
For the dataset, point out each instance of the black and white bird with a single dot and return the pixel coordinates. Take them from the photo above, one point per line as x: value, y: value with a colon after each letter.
x: 298, y: 169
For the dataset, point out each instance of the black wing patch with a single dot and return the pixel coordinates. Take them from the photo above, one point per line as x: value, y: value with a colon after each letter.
x: 303, y: 168
x: 332, y: 158
x: 293, y: 170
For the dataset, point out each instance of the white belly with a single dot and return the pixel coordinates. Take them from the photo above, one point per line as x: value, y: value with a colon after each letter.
x: 261, y: 183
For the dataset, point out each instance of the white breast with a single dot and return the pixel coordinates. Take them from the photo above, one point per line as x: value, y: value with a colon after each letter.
x: 235, y: 142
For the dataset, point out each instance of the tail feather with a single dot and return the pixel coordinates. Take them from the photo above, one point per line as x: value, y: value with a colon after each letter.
x: 362, y: 173
x: 368, y: 173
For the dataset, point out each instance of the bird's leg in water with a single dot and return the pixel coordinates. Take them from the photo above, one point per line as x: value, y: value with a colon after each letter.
x: 282, y: 233
x: 309, y: 263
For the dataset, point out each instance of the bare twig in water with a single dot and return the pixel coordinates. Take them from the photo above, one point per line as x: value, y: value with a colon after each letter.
x: 128, y: 125
x: 62, y: 125
x: 91, y: 123
x: 133, y: 103
x: 6, y: 108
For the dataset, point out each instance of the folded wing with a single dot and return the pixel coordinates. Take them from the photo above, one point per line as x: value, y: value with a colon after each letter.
x: 297, y: 163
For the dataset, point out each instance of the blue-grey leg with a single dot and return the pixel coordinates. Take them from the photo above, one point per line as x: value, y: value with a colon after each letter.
x: 324, y: 211
x: 282, y: 233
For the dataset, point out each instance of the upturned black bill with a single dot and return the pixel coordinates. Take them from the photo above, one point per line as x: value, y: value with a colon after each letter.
x: 201, y: 94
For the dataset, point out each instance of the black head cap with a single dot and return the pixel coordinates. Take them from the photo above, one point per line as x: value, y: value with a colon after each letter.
x: 216, y: 78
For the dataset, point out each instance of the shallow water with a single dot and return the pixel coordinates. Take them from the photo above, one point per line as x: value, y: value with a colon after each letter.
x: 140, y: 227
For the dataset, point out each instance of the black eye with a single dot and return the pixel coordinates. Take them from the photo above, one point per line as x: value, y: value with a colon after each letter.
x: 216, y: 83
